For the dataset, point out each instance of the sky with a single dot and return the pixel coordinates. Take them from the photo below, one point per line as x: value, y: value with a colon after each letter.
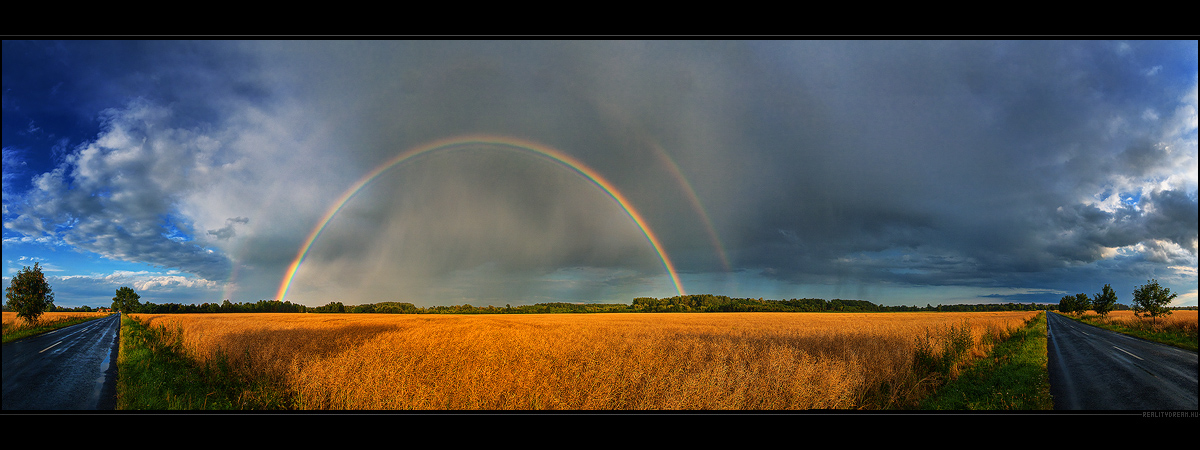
x: 518, y: 172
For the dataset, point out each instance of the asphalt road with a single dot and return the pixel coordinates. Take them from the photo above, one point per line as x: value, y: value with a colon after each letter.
x: 71, y: 368
x: 1096, y: 369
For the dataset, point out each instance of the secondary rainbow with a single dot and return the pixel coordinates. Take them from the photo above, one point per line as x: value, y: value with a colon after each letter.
x: 695, y: 200
x: 487, y: 141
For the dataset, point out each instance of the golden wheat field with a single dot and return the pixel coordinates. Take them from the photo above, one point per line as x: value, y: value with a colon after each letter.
x: 1182, y: 321
x: 12, y: 323
x: 638, y: 361
x: 1177, y: 318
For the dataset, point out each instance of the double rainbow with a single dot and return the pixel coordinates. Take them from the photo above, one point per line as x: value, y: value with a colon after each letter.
x: 489, y: 142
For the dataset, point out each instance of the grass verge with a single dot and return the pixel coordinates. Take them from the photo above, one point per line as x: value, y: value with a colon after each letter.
x: 1012, y: 377
x: 14, y: 332
x: 154, y: 373
x: 1179, y: 336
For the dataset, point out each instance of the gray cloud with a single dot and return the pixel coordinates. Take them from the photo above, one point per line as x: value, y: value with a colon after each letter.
x: 918, y: 163
x: 947, y: 148
x: 113, y: 195
x: 227, y: 231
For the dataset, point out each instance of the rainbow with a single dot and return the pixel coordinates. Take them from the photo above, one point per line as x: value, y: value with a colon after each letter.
x: 481, y: 140
x: 695, y: 200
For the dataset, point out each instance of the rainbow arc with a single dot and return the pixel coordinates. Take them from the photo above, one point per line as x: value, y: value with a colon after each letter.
x: 496, y: 142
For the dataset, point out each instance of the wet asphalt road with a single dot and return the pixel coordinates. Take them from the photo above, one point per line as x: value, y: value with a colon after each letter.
x: 1096, y: 369
x: 72, y: 368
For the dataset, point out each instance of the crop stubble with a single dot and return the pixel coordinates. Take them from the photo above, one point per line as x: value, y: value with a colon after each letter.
x: 635, y: 361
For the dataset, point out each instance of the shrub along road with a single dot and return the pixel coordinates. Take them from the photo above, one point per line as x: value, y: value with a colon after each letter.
x: 71, y: 368
x: 1095, y: 369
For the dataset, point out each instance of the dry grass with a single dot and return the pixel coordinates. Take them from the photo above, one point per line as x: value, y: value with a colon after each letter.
x: 1181, y: 319
x: 12, y: 323
x: 637, y: 361
x: 1179, y: 328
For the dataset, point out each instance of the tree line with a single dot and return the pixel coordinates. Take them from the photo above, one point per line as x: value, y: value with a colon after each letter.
x: 409, y: 308
x: 30, y: 295
x: 1150, y: 299
x: 721, y: 303
x: 128, y: 301
x: 684, y: 303
x: 261, y: 306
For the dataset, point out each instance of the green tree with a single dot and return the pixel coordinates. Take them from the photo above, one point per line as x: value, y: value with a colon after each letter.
x: 1082, y: 303
x: 29, y: 294
x: 1071, y: 304
x: 332, y: 307
x: 1066, y: 305
x: 1152, y: 299
x: 126, y: 300
x: 1104, y: 301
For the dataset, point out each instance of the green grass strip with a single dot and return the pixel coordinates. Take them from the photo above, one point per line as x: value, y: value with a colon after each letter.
x: 1012, y: 377
x: 155, y: 374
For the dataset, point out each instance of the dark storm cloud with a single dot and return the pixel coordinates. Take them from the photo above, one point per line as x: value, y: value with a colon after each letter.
x: 944, y: 163
x: 602, y: 103
x: 1166, y: 215
x: 953, y: 151
x: 64, y: 84
x: 1173, y: 218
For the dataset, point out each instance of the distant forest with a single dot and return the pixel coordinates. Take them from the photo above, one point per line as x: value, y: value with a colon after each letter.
x: 685, y: 303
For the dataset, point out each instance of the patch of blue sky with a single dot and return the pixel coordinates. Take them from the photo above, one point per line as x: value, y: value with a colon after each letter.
x: 61, y: 262
x: 1131, y: 199
x: 172, y: 231
x: 66, y: 225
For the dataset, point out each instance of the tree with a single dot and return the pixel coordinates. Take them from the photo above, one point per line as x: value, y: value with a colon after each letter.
x: 1082, y: 303
x: 1104, y: 301
x: 29, y: 294
x: 1151, y: 299
x: 126, y: 300
x: 1072, y: 304
x: 332, y: 307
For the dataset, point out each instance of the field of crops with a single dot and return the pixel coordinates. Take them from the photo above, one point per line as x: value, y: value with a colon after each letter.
x: 592, y: 361
x: 1182, y: 319
x: 13, y: 324
x: 1178, y: 328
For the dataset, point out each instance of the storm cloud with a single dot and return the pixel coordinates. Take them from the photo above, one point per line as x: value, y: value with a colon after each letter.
x: 764, y: 168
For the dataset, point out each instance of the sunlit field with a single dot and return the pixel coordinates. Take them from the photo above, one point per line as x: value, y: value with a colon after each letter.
x: 641, y: 361
x: 1179, y: 327
x: 13, y: 324
x: 1181, y: 319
